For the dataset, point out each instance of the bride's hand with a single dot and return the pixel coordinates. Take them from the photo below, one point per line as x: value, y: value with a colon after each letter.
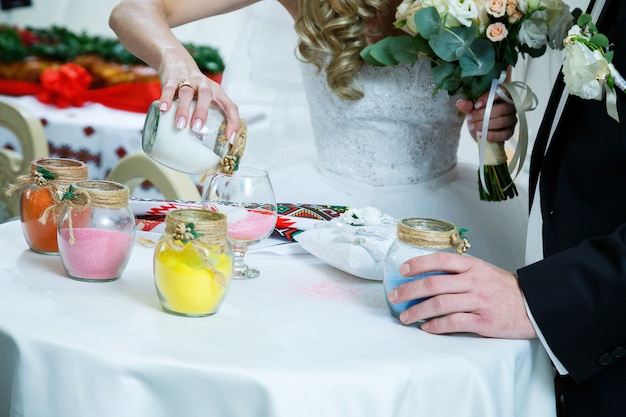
x: 501, y: 122
x: 144, y: 28
x: 181, y: 78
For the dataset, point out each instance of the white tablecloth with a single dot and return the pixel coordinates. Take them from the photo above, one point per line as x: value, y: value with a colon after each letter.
x: 302, y: 340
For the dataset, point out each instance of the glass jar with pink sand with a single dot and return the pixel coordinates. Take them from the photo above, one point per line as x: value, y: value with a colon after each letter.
x: 96, y: 230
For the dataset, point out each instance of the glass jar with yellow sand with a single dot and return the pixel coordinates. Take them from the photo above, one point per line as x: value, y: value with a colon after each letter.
x: 193, y: 262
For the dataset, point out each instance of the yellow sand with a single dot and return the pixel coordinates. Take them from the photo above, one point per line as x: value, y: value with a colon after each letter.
x: 185, y: 281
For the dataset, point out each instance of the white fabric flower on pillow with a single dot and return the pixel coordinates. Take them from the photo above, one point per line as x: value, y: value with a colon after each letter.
x: 355, y: 242
x: 368, y: 216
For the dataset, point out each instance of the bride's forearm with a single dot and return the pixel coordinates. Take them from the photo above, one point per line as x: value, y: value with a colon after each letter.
x: 143, y: 28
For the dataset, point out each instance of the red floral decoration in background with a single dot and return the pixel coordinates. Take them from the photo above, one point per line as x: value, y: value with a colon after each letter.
x: 65, y: 86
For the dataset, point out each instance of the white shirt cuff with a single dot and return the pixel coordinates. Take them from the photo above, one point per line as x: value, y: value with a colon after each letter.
x: 557, y: 364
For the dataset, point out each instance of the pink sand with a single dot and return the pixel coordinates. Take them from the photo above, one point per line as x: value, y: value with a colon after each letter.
x: 96, y: 253
x: 256, y: 225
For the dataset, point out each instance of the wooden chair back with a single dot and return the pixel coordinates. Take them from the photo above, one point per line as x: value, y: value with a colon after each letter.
x: 13, y: 163
x: 135, y: 168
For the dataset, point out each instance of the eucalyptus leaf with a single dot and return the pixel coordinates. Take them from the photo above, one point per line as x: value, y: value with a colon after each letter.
x: 381, y: 52
x: 452, y: 43
x: 480, y: 85
x: 428, y: 22
x: 366, y: 54
x: 584, y: 20
x: 478, y: 59
x: 451, y: 85
x: 442, y: 71
x: 510, y: 55
x: 610, y: 82
x: 406, y: 49
x: 600, y: 40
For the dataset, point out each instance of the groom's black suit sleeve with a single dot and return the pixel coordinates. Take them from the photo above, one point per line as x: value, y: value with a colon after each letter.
x: 577, y: 294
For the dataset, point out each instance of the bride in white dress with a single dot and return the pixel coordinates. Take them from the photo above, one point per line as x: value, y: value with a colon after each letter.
x: 395, y: 149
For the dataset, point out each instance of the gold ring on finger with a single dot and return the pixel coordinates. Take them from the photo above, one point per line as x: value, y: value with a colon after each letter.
x: 185, y: 83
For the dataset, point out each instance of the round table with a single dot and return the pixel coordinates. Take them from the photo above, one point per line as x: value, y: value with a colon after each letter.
x: 304, y: 339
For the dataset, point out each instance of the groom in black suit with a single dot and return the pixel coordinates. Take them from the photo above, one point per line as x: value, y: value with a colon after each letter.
x: 577, y: 294
x: 574, y: 299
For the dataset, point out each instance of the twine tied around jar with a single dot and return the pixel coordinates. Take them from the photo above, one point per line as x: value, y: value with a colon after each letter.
x: 205, y: 230
x: 51, y: 173
x: 95, y: 193
x: 431, y: 233
x: 230, y: 161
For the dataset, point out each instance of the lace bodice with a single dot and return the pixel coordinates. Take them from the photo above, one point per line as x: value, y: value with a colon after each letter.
x: 399, y: 133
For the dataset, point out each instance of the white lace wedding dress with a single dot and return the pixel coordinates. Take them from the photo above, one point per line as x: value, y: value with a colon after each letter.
x: 397, y: 149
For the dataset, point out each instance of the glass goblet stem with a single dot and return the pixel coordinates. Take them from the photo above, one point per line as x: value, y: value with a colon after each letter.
x: 240, y: 269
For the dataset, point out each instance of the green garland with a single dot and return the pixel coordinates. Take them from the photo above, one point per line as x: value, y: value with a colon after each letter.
x: 60, y: 44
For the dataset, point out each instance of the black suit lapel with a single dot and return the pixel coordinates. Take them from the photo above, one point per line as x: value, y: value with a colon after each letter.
x: 541, y: 142
x: 543, y: 134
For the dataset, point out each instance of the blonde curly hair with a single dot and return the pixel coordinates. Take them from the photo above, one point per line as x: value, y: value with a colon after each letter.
x: 333, y: 33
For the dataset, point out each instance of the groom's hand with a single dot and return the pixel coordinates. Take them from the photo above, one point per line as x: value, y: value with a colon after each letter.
x: 474, y: 296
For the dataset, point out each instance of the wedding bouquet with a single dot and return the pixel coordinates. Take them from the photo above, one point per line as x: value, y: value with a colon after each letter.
x: 587, y: 70
x: 472, y: 44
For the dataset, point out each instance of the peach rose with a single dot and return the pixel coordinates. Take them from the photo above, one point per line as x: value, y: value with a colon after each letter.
x: 496, y: 32
x: 496, y: 8
x: 511, y: 7
x: 515, y: 17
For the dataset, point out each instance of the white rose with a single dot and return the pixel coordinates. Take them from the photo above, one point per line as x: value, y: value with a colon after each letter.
x: 560, y: 19
x: 440, y: 5
x: 483, y: 15
x: 464, y: 11
x: 528, y: 6
x: 534, y: 30
x: 522, y: 6
x: 533, y: 5
x: 584, y: 71
x: 551, y: 4
x: 575, y: 30
x: 405, y: 13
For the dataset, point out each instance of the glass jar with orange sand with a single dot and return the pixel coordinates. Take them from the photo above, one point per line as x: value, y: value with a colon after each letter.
x: 42, y: 190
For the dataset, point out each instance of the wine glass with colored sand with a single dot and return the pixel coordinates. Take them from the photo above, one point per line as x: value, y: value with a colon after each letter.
x: 247, y: 199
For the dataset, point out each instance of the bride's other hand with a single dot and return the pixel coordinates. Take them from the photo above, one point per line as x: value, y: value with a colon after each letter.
x: 502, y: 120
